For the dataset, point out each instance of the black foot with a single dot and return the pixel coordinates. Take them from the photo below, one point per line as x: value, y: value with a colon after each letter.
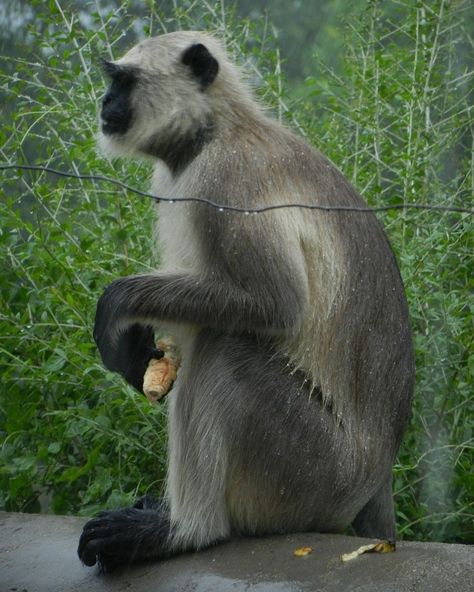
x: 118, y: 538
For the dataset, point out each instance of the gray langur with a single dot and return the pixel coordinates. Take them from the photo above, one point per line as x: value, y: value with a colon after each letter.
x: 297, y: 372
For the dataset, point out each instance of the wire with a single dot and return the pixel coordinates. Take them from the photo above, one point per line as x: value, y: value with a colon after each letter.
x: 222, y: 207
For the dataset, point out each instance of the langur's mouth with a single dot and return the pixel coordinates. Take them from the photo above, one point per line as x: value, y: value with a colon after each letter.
x: 115, y: 121
x: 112, y: 126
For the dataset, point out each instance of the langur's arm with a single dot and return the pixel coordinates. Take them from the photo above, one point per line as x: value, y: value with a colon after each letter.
x: 130, y: 306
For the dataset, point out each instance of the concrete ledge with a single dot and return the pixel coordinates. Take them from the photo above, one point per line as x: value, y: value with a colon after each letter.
x: 38, y: 554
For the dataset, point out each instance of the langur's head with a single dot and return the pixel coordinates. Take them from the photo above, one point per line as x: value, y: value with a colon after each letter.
x: 163, y: 96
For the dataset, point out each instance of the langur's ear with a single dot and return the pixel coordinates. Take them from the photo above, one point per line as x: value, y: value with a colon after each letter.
x: 203, y: 64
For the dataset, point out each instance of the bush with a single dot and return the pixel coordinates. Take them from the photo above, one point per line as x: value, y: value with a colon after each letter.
x: 75, y: 437
x: 398, y: 122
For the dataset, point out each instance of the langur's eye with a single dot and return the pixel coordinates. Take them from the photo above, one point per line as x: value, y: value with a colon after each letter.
x: 107, y: 99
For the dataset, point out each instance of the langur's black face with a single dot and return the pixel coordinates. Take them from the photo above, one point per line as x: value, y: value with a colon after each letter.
x: 116, y: 115
x: 157, y: 103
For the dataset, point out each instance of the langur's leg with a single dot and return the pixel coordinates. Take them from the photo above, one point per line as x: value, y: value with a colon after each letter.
x: 253, y: 450
x: 377, y: 517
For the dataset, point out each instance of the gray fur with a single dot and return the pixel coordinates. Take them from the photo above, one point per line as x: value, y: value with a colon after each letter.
x: 297, y: 371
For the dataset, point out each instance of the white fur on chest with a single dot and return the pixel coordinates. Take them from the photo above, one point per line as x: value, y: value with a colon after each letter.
x: 179, y: 250
x: 176, y: 233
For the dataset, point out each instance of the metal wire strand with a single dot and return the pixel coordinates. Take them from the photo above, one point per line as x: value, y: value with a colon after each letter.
x: 222, y: 207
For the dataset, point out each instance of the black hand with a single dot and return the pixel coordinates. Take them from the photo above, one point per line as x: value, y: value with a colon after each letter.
x: 126, y: 350
x: 134, y: 349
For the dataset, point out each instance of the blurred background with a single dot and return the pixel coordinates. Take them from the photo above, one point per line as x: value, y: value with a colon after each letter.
x: 384, y: 88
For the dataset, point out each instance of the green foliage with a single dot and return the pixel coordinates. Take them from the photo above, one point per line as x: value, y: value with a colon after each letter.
x: 74, y: 436
x: 397, y: 119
